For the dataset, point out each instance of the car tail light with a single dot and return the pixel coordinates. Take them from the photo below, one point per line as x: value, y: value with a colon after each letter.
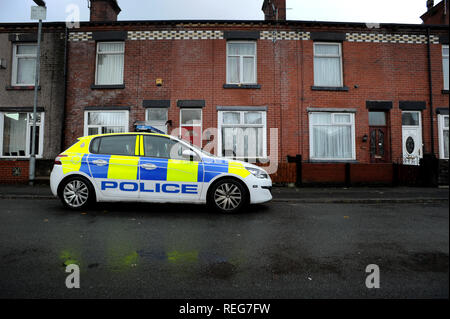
x: 58, y: 159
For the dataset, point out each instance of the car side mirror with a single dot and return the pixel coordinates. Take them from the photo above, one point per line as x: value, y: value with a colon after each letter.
x: 188, y: 154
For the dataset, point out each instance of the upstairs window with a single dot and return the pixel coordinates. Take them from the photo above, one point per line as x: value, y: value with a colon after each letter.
x: 241, y: 62
x: 24, y: 64
x: 328, y: 65
x: 110, y: 57
x: 445, y: 65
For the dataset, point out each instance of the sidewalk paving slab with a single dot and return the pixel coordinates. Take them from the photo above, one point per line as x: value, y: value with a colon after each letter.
x: 287, y: 194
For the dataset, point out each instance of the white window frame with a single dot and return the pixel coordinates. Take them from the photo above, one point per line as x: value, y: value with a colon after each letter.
x: 341, y: 84
x: 444, y: 69
x: 86, y: 126
x: 241, y: 63
x: 15, y: 64
x: 333, y: 123
x: 197, y: 124
x: 109, y: 53
x: 242, y: 124
x: 41, y: 126
x: 442, y: 128
x: 156, y: 123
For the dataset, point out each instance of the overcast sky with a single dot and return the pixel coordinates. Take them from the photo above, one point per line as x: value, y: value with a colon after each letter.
x: 395, y: 11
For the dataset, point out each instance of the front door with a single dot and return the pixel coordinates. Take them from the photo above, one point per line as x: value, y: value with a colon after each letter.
x: 378, y: 137
x: 165, y: 175
x: 378, y: 144
x: 412, y: 137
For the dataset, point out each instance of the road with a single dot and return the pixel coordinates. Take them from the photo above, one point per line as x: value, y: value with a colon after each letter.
x: 277, y: 250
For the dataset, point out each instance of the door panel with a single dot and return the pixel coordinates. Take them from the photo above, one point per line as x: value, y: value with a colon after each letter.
x: 411, y: 137
x: 379, y: 144
x: 163, y: 178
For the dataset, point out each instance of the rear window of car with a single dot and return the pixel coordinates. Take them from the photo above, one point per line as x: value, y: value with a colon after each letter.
x: 114, y: 145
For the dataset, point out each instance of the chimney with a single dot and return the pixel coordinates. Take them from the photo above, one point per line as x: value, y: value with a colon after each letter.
x: 430, y: 4
x: 274, y: 10
x: 104, y: 10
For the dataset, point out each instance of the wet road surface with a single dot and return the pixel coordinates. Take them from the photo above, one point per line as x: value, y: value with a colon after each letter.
x: 277, y: 250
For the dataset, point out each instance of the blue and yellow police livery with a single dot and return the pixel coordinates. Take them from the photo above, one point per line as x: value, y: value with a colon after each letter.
x: 152, y: 167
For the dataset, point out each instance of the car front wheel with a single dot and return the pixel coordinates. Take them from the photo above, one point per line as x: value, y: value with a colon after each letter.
x: 228, y: 196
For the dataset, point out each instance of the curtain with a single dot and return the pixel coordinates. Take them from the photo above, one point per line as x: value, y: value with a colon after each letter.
x: 249, y: 70
x: 445, y: 135
x: 242, y: 141
x: 233, y: 69
x: 331, y: 141
x: 110, y: 63
x: 26, y: 70
x: 14, y: 133
x: 327, y: 65
x: 445, y: 67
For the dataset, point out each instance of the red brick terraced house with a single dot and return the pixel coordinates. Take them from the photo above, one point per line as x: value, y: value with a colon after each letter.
x: 349, y: 99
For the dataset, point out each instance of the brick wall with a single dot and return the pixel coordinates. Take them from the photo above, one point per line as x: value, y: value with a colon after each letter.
x: 14, y: 171
x: 196, y: 69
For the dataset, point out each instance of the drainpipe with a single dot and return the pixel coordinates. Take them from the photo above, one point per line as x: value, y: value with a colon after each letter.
x: 63, y: 125
x: 430, y: 88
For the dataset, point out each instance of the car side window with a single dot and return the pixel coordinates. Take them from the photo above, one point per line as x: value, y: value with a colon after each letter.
x: 114, y: 145
x: 163, y: 147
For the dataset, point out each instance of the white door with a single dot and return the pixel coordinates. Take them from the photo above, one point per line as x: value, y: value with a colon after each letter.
x: 412, y: 137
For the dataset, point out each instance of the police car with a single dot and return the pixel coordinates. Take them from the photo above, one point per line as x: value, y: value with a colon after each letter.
x: 151, y: 167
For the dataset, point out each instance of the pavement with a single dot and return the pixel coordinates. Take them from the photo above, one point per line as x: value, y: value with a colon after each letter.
x: 330, y: 195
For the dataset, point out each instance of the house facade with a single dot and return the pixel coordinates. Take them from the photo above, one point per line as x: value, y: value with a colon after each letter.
x: 18, y: 49
x: 333, y: 92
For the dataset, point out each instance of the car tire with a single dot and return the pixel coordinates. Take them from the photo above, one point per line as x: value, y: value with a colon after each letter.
x: 76, y: 193
x: 228, y: 196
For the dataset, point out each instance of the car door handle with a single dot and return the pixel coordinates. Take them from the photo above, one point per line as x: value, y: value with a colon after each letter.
x: 100, y: 162
x: 148, y: 166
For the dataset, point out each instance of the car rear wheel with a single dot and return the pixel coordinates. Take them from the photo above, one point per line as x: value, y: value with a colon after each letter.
x: 76, y: 193
x: 228, y: 196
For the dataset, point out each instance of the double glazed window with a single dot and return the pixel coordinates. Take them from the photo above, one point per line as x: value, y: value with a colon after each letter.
x: 328, y: 65
x: 242, y: 134
x: 110, y: 57
x: 17, y: 133
x: 443, y: 136
x: 24, y: 64
x: 445, y: 65
x: 241, y: 62
x: 157, y: 117
x: 332, y: 136
x: 99, y: 122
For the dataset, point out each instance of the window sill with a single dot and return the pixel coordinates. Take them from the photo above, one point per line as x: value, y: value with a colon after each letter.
x: 21, y: 87
x: 106, y: 87
x: 242, y: 86
x: 330, y: 88
x: 445, y: 91
x: 324, y: 161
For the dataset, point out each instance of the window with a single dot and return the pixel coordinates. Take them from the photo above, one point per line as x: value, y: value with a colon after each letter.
x: 110, y: 57
x: 443, y: 136
x: 328, y: 64
x: 242, y: 134
x: 410, y: 118
x: 241, y: 62
x: 445, y: 65
x: 163, y: 147
x: 99, y: 122
x: 24, y: 64
x: 377, y: 119
x: 191, y: 121
x: 157, y: 117
x: 332, y: 136
x: 114, y: 145
x: 17, y: 134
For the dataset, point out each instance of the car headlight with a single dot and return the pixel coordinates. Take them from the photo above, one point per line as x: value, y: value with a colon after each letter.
x: 258, y: 173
